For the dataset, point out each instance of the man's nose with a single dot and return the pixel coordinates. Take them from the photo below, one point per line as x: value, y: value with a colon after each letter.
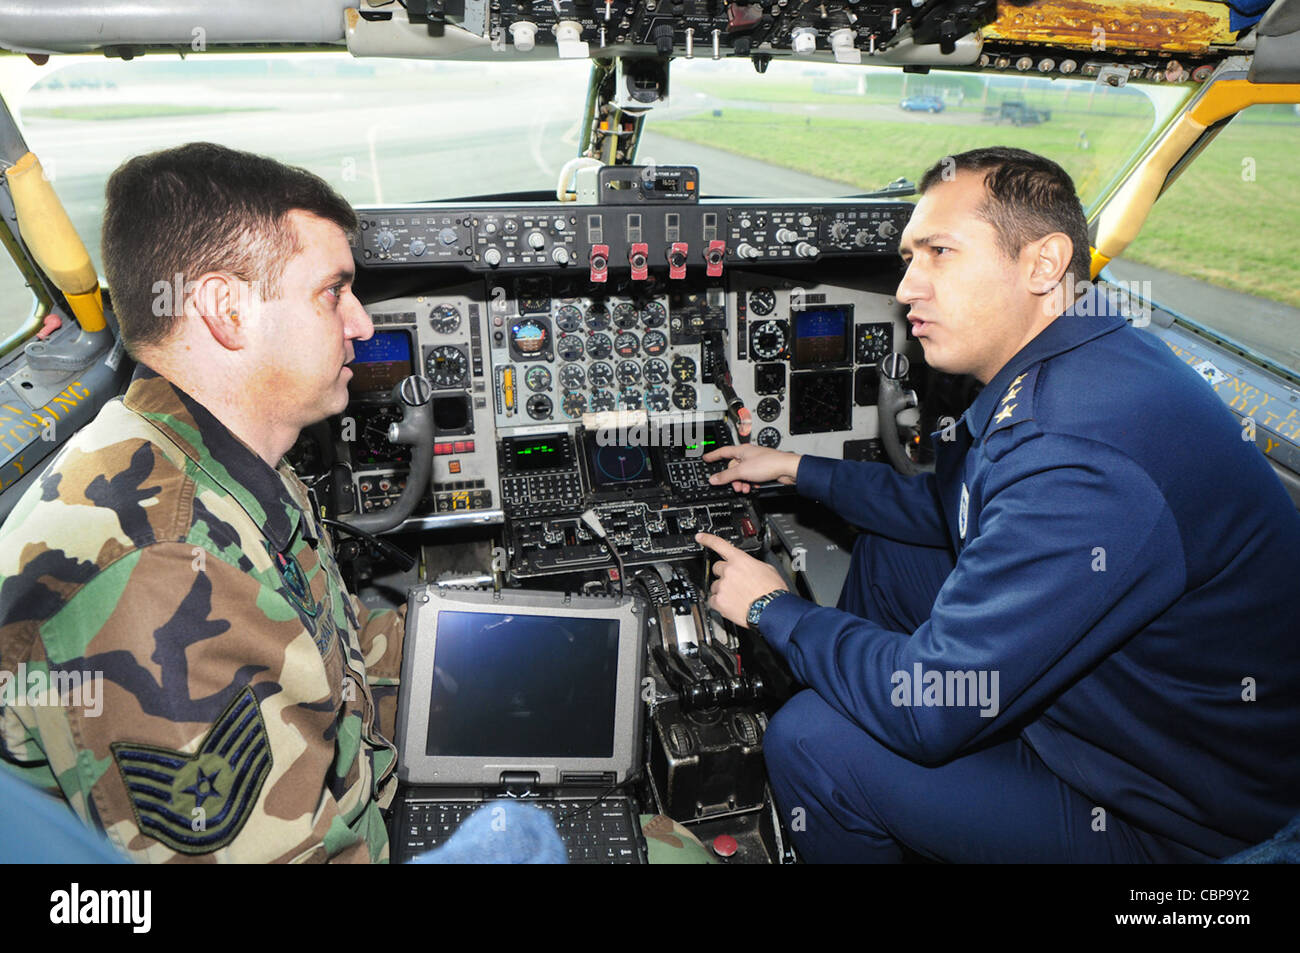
x: 359, y: 325
x: 911, y: 287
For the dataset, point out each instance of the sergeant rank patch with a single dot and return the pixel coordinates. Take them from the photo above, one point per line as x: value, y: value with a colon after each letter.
x: 197, y: 803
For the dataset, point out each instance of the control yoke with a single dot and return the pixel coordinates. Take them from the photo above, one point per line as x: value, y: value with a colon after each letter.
x: 893, y: 399
x: 413, y: 395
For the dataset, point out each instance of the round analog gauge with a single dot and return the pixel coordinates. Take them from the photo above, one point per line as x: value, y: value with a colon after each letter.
x: 654, y: 315
x: 875, y: 341
x: 528, y: 336
x: 539, y: 407
x: 769, y: 408
x: 445, y: 318
x: 597, y: 317
x: 630, y: 398
x: 570, y: 347
x: 575, y: 405
x: 372, y: 439
x: 654, y: 343
x: 656, y: 398
x: 625, y: 316
x: 602, y: 400
x: 762, y: 301
x: 655, y: 370
x: 626, y: 344
x: 572, y: 376
x: 628, y: 372
x: 446, y: 366
x: 601, y: 374
x: 568, y: 318
x: 767, y: 340
x: 769, y: 437
x: 683, y: 369
x: 684, y: 397
x: 599, y: 346
x: 538, y: 378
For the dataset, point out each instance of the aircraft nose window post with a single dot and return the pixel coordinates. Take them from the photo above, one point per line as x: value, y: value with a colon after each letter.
x: 711, y: 433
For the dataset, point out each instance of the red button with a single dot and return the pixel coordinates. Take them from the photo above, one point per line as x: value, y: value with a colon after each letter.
x: 459, y: 446
x: 724, y: 845
x: 469, y: 446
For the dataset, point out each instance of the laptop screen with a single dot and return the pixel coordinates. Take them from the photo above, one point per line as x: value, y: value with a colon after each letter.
x: 523, y: 686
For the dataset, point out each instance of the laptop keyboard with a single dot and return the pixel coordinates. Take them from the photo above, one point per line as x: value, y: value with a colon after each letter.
x: 599, y: 834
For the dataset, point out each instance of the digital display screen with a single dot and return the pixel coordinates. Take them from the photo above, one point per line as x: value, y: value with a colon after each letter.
x: 821, y: 336
x: 523, y: 686
x: 695, y: 443
x: 529, y: 454
x: 381, y: 362
x: 618, y: 466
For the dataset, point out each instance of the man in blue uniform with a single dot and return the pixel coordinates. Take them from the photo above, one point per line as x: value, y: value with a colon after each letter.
x: 1069, y: 643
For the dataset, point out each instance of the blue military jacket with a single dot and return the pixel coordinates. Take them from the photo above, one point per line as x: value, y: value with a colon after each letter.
x: 1123, y: 561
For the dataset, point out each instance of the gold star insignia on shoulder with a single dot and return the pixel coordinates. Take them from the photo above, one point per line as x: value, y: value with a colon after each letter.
x: 1014, y: 390
x: 1017, y: 380
x: 1006, y: 412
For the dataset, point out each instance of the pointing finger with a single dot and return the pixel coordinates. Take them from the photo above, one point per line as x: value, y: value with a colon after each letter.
x: 718, y: 545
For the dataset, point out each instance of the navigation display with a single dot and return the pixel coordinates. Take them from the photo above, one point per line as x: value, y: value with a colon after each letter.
x: 381, y: 362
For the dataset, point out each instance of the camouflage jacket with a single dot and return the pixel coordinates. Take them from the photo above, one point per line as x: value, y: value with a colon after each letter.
x: 179, y: 657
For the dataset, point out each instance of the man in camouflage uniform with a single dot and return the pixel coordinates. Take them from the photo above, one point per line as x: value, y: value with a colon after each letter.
x: 229, y: 713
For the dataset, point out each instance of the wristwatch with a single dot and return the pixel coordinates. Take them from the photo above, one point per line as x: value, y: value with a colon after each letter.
x: 758, y: 605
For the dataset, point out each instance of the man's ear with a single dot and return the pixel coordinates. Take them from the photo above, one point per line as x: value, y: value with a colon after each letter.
x: 215, y: 300
x: 1049, y: 260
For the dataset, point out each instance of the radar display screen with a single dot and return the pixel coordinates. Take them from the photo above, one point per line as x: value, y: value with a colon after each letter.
x: 381, y: 362
x: 614, y: 466
x: 821, y: 337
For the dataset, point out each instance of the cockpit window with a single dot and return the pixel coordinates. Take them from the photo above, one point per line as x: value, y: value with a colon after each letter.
x: 1229, y: 222
x: 378, y: 131
x: 806, y: 129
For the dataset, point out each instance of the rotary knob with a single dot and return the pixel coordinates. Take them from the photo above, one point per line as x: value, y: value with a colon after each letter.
x: 745, y: 250
x: 806, y: 250
x: 560, y: 255
x: 536, y: 241
x: 492, y: 256
x: 886, y: 230
x: 787, y: 236
x: 447, y: 236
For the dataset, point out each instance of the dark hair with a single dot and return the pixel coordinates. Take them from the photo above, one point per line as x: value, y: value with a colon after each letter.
x: 197, y: 208
x: 1029, y: 196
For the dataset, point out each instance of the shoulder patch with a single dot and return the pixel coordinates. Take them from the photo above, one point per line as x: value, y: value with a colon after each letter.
x: 197, y: 803
x: 1017, y: 402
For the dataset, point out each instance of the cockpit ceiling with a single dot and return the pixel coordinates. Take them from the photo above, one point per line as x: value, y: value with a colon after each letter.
x: 1051, y: 36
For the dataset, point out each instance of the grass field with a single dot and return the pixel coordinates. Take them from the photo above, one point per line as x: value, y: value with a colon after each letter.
x: 865, y: 154
x: 1215, y: 223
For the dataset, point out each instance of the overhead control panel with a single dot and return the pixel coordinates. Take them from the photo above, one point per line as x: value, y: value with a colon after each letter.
x: 638, y: 237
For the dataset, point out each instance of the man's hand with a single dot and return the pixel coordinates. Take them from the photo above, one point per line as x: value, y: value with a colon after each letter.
x: 741, y: 578
x: 750, y: 464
